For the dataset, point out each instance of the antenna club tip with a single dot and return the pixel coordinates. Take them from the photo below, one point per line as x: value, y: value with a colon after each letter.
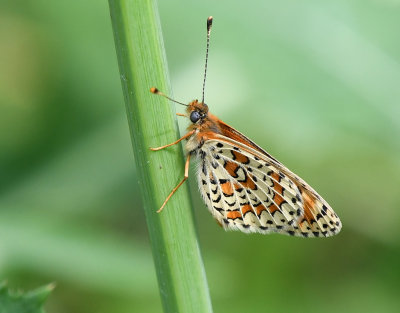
x: 154, y: 90
x: 209, y: 21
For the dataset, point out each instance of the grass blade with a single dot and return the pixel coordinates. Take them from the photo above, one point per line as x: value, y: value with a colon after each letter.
x: 142, y: 64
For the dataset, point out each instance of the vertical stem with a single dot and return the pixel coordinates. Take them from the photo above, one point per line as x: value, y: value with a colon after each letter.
x: 141, y: 57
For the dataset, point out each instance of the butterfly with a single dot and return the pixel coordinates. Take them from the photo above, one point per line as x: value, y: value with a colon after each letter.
x: 244, y: 187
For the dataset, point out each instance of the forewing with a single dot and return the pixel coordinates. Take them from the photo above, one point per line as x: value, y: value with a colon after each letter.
x: 250, y: 191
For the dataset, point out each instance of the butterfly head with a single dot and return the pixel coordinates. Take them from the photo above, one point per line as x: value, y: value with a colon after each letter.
x: 197, y: 111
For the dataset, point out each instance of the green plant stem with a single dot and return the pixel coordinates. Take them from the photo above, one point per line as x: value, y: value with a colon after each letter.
x: 142, y: 64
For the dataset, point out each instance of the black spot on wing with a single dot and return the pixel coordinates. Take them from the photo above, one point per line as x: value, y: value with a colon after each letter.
x: 220, y: 210
x: 204, y: 168
x: 230, y: 204
x: 217, y: 200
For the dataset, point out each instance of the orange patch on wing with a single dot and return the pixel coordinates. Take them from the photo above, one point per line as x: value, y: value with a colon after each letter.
x: 249, y: 183
x: 278, y: 199
x: 260, y: 208
x: 277, y: 186
x: 227, y: 188
x: 231, y: 167
x: 237, y: 186
x: 240, y: 157
x: 246, y: 208
x: 309, y: 204
x: 233, y: 214
x: 234, y: 135
x: 273, y: 208
x: 278, y: 189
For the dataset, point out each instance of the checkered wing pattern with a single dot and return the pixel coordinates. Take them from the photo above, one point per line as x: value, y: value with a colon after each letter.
x: 251, y: 191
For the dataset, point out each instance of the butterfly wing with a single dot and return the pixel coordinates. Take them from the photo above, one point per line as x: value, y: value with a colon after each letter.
x: 247, y: 189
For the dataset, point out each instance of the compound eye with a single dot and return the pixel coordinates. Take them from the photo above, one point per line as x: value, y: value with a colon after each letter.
x: 194, y: 116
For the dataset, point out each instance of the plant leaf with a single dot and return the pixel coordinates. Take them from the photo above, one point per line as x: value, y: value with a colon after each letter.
x: 20, y: 302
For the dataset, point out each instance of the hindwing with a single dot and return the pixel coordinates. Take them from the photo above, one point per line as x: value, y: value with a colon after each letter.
x: 248, y: 190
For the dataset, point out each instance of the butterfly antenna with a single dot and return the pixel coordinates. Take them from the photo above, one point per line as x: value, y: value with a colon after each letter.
x: 158, y: 92
x: 209, y: 24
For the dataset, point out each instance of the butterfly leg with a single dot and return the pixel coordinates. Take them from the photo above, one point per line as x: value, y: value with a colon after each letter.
x: 175, y: 142
x: 180, y: 184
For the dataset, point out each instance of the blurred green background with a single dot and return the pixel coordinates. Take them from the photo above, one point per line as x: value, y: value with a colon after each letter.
x: 314, y: 83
